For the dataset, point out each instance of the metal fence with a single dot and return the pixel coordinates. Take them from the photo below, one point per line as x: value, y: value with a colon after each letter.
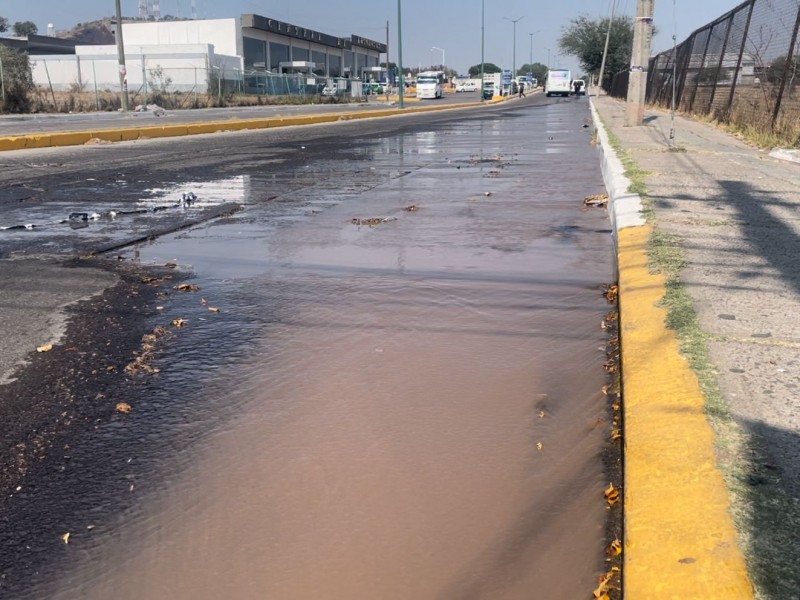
x: 69, y: 83
x: 742, y: 68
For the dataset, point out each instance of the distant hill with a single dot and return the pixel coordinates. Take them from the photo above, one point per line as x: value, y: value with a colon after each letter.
x: 95, y: 32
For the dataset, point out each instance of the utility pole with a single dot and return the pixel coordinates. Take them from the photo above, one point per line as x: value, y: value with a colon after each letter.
x: 483, y: 20
x: 402, y: 91
x: 530, y: 60
x: 608, y: 37
x: 640, y: 61
x: 123, y: 74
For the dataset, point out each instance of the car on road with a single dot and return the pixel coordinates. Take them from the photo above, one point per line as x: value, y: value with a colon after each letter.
x: 488, y: 91
x: 467, y: 86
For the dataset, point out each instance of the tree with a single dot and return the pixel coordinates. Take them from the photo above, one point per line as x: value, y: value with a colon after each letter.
x: 475, y: 70
x: 585, y: 39
x: 18, y: 81
x: 538, y: 69
x: 3, y: 24
x: 25, y: 28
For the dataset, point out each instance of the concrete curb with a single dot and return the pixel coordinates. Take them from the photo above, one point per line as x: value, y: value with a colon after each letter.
x: 78, y: 138
x: 680, y: 541
x: 625, y: 208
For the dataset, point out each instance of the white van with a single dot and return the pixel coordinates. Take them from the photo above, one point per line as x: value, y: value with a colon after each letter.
x: 558, y: 82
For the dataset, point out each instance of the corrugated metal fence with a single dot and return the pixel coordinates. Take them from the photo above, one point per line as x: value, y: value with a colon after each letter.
x: 742, y: 68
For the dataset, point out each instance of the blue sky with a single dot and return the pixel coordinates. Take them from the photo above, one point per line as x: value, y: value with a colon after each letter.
x: 454, y: 25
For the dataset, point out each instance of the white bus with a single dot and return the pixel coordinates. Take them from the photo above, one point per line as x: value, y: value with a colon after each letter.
x: 430, y: 84
x: 558, y: 82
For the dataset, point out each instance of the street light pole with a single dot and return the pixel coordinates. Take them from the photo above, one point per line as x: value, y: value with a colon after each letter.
x: 483, y: 13
x: 123, y: 75
x: 440, y: 50
x: 402, y: 92
x: 514, y: 53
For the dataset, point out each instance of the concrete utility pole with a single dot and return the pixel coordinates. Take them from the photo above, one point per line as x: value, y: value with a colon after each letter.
x: 640, y: 60
x: 123, y: 73
x: 483, y: 39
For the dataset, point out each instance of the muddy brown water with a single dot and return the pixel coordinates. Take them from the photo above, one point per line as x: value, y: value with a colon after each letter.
x: 409, y: 410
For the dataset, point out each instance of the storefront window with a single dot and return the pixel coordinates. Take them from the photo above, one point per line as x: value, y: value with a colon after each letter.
x: 300, y: 54
x: 278, y: 53
x: 255, y: 53
x: 319, y: 59
x: 334, y: 65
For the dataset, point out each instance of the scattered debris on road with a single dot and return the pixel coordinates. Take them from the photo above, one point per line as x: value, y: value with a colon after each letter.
x: 596, y: 200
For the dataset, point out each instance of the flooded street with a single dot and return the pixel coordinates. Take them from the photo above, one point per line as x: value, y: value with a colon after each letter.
x: 408, y: 408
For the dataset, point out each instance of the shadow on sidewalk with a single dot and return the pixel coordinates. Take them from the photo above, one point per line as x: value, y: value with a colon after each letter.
x: 767, y: 513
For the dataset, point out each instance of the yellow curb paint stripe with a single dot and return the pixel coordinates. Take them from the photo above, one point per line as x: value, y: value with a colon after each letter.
x: 680, y: 541
x: 76, y: 138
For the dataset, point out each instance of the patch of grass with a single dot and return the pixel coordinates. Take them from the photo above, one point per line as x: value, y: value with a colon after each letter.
x: 634, y: 173
x: 676, y: 149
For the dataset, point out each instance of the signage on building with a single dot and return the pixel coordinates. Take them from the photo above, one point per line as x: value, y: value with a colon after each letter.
x: 367, y: 43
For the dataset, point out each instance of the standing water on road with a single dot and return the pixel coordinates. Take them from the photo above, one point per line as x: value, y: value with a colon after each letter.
x: 390, y: 403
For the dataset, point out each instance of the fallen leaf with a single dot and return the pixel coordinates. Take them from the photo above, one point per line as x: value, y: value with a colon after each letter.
x: 187, y: 287
x: 213, y: 309
x: 539, y: 446
x: 615, y: 434
x: 124, y: 408
x: 487, y: 193
x: 611, y: 494
x: 65, y: 537
x: 615, y: 549
x: 178, y: 322
x: 45, y: 348
x: 203, y: 301
x: 541, y: 414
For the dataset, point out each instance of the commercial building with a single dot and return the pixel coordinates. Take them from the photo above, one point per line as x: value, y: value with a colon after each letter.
x: 250, y: 54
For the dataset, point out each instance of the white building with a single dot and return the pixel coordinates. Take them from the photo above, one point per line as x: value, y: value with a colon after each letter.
x: 189, y: 56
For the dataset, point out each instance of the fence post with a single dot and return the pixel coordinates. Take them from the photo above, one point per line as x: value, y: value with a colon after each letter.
x: 686, y: 57
x: 741, y: 57
x: 790, y: 64
x: 50, y: 83
x: 96, y: 96
x: 702, y: 64
x: 719, y: 67
x: 2, y: 84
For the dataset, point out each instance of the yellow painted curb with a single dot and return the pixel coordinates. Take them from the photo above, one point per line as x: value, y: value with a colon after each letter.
x: 680, y: 542
x: 77, y: 138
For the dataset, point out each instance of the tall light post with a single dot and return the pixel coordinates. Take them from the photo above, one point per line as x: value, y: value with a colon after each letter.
x: 530, y: 61
x: 402, y: 92
x: 123, y: 75
x: 483, y: 14
x: 440, y: 50
x: 548, y: 58
x: 514, y: 54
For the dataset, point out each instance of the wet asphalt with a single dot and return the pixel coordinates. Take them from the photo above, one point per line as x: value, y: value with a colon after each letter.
x: 131, y: 193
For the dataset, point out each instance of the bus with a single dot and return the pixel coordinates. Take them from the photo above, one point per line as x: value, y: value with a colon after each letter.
x: 558, y: 82
x: 430, y: 84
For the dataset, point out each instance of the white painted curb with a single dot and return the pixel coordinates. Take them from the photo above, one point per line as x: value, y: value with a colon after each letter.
x: 625, y: 208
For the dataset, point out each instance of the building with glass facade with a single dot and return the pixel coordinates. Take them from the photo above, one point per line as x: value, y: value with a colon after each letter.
x: 274, y: 46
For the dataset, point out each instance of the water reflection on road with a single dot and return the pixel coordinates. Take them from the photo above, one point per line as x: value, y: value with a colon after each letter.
x: 406, y: 410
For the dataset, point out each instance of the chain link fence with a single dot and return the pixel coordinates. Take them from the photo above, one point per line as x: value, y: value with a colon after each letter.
x: 70, y: 84
x: 741, y: 69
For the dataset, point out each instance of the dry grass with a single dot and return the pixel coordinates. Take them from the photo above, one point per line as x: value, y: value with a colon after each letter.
x: 45, y: 101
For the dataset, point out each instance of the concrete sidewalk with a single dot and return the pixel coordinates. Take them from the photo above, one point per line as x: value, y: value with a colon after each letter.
x: 733, y: 212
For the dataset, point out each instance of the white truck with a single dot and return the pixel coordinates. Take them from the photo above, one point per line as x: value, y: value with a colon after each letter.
x: 558, y: 82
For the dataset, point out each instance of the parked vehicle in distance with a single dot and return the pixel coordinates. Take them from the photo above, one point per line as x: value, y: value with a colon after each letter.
x: 330, y: 90
x: 488, y: 91
x: 579, y: 87
x: 372, y: 88
x: 467, y: 86
x: 558, y: 82
x: 430, y: 84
